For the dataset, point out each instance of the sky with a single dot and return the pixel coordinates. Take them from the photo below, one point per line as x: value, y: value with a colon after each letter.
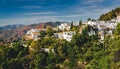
x: 37, y: 11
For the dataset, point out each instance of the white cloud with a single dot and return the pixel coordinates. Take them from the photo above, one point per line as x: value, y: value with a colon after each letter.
x: 91, y: 9
x: 26, y: 0
x: 83, y: 9
x: 37, y: 19
x: 32, y: 7
x: 92, y: 1
x: 39, y: 13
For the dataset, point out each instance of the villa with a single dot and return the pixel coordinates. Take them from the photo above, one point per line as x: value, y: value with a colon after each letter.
x: 64, y: 26
x: 33, y: 34
x: 104, y: 27
x: 65, y: 35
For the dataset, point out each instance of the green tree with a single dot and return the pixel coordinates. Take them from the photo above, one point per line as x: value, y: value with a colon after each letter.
x: 52, y: 66
x: 88, y: 19
x: 110, y: 15
x: 39, y: 61
x: 34, y: 45
x: 42, y: 33
x: 71, y: 26
x: 13, y: 64
x: 49, y: 31
x: 80, y: 22
x: 117, y: 31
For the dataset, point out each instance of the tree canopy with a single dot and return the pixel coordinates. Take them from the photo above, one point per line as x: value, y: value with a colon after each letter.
x: 110, y: 15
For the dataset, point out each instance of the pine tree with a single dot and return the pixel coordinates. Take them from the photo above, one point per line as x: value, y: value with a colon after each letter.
x: 80, y: 22
x: 71, y: 26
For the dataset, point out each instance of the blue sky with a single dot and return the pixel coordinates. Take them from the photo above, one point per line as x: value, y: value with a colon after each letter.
x: 36, y: 11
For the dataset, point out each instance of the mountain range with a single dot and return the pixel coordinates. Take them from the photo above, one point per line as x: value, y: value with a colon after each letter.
x: 14, y: 26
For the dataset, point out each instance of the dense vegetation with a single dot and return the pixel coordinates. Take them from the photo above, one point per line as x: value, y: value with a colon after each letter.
x: 110, y: 15
x: 83, y: 52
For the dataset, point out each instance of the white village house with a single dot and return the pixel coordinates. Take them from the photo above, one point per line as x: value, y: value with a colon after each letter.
x: 48, y: 50
x: 64, y: 26
x: 104, y: 27
x: 33, y: 34
x: 65, y: 35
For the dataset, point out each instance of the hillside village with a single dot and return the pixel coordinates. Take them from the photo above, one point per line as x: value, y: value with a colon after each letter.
x: 60, y: 34
x: 62, y: 45
x: 64, y: 32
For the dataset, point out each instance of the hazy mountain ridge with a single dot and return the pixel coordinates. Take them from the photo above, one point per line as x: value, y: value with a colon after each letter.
x: 14, y: 26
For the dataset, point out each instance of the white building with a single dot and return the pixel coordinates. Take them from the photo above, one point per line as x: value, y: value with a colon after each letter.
x: 103, y: 24
x: 48, y: 50
x: 118, y: 19
x: 104, y: 27
x: 68, y: 35
x: 102, y: 37
x: 64, y: 26
x: 91, y: 32
x: 65, y: 35
x: 33, y: 34
x: 92, y: 23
